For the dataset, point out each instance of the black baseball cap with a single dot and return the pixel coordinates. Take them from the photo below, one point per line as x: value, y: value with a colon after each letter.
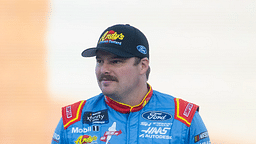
x: 122, y: 40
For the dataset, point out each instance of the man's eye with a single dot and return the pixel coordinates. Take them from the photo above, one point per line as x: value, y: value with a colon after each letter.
x: 99, y: 61
x: 116, y: 61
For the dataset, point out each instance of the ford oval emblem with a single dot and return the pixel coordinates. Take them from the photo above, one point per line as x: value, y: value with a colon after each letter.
x: 156, y: 116
x: 142, y: 49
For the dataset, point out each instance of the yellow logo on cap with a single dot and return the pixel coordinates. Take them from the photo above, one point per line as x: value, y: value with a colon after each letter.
x: 111, y: 35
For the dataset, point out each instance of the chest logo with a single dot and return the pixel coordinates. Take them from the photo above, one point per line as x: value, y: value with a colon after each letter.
x: 156, y: 116
x: 99, y: 117
x: 111, y: 132
x: 84, y: 139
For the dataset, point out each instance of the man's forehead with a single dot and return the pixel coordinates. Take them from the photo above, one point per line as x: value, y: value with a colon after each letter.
x: 101, y: 53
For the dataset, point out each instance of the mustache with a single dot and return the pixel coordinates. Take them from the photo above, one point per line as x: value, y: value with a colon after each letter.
x: 107, y: 77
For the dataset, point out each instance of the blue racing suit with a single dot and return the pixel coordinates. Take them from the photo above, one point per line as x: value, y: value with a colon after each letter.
x: 158, y: 119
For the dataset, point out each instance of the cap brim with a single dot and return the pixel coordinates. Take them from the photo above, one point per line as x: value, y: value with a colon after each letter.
x: 90, y: 52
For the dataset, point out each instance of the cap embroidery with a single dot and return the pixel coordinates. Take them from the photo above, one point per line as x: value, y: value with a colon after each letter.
x: 110, y: 37
x: 142, y: 49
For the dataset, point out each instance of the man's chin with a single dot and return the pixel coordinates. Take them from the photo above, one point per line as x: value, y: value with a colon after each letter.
x: 108, y: 93
x: 108, y: 87
x: 107, y: 90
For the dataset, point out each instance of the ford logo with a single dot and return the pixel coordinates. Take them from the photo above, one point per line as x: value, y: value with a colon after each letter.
x: 156, y: 116
x: 142, y: 49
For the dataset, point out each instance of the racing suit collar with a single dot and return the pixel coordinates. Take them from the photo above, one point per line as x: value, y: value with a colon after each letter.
x: 125, y: 108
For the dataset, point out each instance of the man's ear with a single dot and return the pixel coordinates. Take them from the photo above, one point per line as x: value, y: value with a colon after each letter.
x: 144, y: 65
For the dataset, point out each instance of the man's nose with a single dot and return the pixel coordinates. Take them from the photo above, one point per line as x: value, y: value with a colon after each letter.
x: 105, y: 68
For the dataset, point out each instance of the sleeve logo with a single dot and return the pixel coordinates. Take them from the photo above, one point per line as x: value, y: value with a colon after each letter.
x: 201, y: 136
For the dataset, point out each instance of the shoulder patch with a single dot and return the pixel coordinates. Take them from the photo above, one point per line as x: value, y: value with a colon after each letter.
x: 72, y: 113
x: 184, y: 111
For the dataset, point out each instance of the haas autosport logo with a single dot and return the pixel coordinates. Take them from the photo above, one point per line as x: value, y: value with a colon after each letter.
x: 156, y: 116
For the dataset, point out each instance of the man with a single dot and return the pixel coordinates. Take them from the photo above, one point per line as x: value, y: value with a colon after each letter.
x: 128, y: 110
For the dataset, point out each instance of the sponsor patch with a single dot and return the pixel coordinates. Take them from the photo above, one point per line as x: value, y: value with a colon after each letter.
x: 155, y: 136
x: 142, y: 49
x: 111, y: 37
x: 201, y: 136
x: 156, y: 133
x: 100, y: 117
x: 155, y: 130
x: 156, y: 124
x: 68, y: 112
x: 72, y: 113
x: 188, y: 109
x: 96, y: 128
x: 111, y: 132
x: 145, y: 124
x: 156, y: 116
x: 184, y: 111
x: 56, y: 137
x: 81, y: 130
x: 84, y: 139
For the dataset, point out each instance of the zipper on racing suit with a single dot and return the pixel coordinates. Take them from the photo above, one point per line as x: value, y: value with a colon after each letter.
x: 128, y: 128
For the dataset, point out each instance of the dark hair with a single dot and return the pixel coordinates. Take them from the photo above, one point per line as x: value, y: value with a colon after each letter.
x: 137, y: 61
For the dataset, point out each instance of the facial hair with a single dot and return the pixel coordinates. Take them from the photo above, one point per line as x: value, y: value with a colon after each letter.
x: 107, y: 78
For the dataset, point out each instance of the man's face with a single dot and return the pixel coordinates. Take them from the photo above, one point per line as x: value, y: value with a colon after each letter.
x: 116, y: 76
